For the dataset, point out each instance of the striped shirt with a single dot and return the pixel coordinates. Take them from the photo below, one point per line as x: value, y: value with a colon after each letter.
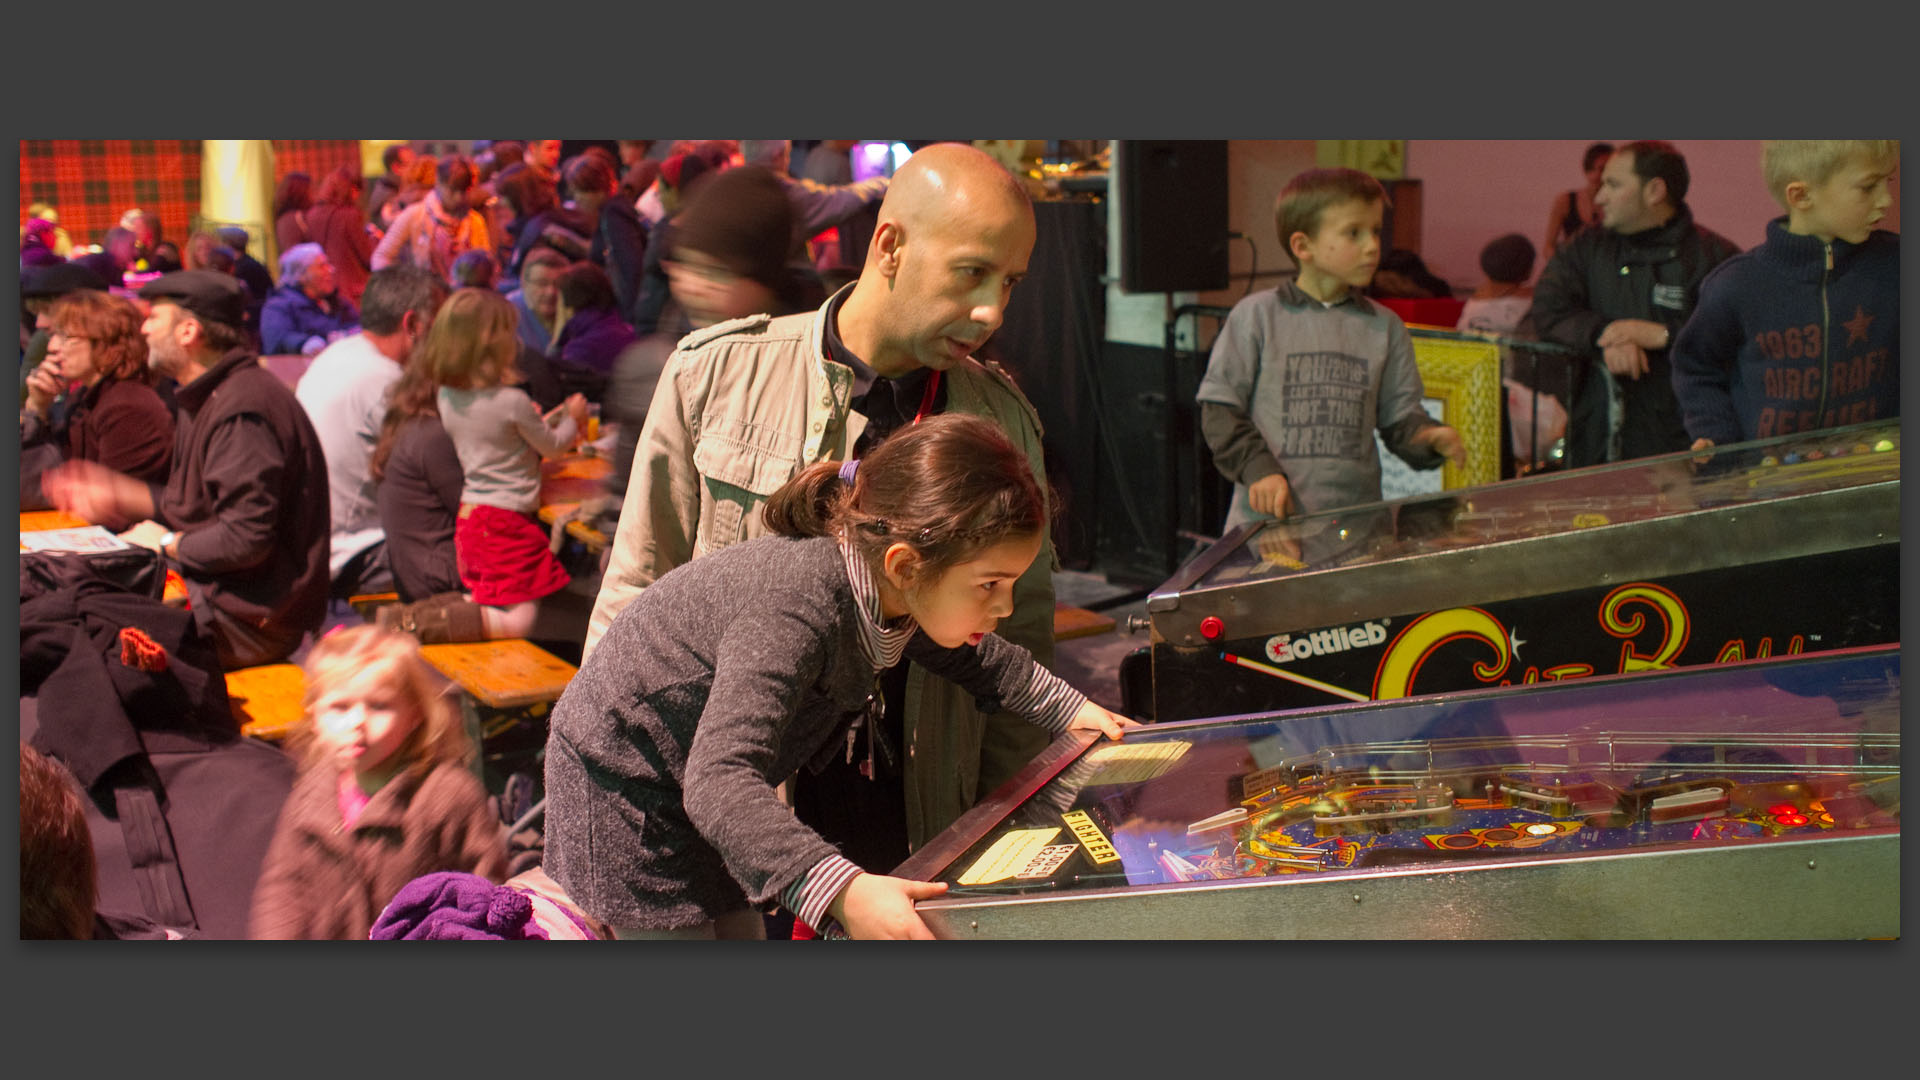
x: 1047, y: 700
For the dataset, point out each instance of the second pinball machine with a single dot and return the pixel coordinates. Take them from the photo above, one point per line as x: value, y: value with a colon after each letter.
x: 1770, y: 548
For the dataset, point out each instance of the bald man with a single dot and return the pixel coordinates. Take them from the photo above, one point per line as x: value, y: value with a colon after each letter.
x: 743, y: 406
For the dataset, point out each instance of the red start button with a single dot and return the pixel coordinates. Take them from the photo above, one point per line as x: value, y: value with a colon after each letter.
x: 1211, y: 628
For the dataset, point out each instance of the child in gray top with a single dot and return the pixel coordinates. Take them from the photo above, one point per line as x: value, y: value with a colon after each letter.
x: 732, y: 671
x: 1301, y: 376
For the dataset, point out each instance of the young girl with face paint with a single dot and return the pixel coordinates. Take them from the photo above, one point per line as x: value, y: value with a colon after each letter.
x: 734, y: 670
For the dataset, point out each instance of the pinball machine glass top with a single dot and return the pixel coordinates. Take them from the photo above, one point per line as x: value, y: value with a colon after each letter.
x: 1797, y: 747
x: 1558, y: 502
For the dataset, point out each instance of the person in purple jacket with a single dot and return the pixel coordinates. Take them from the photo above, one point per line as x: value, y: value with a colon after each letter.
x: 592, y: 330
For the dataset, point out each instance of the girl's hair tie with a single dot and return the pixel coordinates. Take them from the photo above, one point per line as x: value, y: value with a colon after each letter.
x: 847, y: 469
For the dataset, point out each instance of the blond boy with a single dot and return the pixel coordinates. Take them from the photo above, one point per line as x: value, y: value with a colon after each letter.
x: 1802, y: 332
x: 1303, y: 374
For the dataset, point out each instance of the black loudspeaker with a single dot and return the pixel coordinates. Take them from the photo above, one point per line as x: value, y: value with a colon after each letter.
x: 1136, y: 515
x: 1172, y: 198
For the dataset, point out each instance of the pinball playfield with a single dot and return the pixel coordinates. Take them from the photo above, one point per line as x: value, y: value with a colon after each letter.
x: 1758, y: 798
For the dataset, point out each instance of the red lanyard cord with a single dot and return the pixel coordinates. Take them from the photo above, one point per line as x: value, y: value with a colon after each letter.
x: 926, y: 399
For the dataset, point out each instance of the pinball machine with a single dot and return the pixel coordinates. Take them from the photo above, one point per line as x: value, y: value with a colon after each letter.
x: 1751, y: 799
x: 1783, y: 546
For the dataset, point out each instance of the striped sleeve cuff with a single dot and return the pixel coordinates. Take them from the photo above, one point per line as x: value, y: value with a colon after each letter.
x: 808, y: 897
x: 1047, y: 700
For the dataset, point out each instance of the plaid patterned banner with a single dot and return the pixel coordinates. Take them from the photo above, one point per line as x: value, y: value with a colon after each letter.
x: 315, y: 157
x: 91, y: 182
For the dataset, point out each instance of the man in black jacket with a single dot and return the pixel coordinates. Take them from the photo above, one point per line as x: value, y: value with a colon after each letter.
x: 244, y: 514
x: 1622, y: 290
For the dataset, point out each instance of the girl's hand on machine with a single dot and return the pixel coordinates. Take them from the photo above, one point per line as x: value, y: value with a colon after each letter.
x: 1092, y: 717
x: 881, y: 907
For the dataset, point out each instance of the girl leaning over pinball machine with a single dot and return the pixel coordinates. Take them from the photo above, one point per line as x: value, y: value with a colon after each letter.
x: 736, y: 669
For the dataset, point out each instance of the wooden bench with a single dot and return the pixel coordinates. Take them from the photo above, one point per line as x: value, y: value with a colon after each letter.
x: 594, y: 539
x: 365, y: 604
x: 269, y: 700
x: 1073, y: 622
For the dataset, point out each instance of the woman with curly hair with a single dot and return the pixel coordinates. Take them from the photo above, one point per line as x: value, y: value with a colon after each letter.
x: 97, y: 358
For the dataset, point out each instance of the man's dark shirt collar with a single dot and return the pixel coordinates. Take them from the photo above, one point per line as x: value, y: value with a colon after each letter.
x: 888, y: 404
x: 837, y: 350
x: 1667, y: 232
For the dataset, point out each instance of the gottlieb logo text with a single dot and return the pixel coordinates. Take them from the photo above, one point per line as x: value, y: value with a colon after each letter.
x: 1285, y: 647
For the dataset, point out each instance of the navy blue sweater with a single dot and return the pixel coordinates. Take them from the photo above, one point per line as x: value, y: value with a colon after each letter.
x: 1783, y: 342
x: 290, y: 318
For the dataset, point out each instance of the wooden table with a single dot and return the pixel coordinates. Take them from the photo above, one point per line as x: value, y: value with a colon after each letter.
x: 566, y: 482
x: 269, y: 700
x: 43, y: 520
x: 573, y: 477
x: 502, y: 674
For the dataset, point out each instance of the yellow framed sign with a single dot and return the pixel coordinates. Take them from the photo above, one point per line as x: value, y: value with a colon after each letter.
x: 1462, y: 381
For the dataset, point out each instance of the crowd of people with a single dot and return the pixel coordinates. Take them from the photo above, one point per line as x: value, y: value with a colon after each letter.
x: 822, y: 627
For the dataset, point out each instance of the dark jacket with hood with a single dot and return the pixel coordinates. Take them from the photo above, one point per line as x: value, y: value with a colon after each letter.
x: 620, y: 248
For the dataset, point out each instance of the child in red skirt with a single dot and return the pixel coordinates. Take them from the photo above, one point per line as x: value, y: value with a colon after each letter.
x: 500, y: 436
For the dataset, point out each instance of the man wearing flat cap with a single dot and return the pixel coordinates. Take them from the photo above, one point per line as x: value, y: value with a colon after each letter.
x: 244, y: 513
